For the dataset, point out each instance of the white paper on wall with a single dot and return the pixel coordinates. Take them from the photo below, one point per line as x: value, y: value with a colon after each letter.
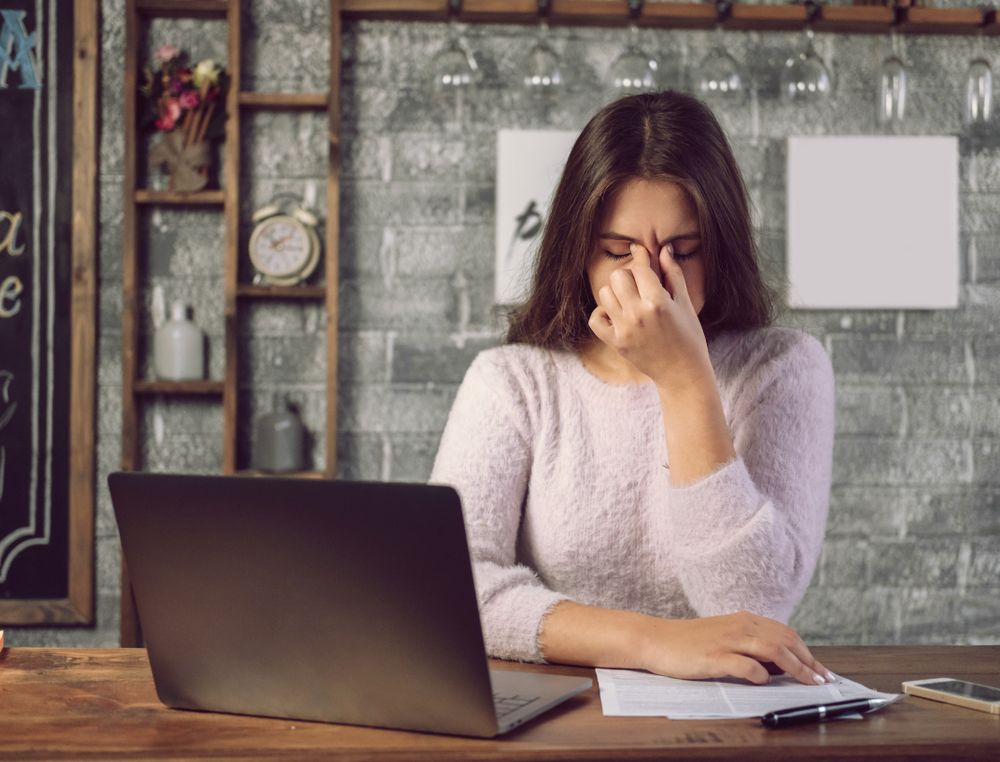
x: 529, y: 164
x: 873, y: 222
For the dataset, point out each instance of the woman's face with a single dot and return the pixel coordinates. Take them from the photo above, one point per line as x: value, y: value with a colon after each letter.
x: 652, y: 213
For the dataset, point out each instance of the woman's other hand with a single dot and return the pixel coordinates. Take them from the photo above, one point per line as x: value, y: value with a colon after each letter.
x: 733, y: 645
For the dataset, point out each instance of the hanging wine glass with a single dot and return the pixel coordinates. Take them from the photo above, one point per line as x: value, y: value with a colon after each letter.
x: 978, y: 90
x: 633, y: 70
x: 891, y: 104
x: 454, y: 67
x: 542, y: 68
x: 719, y: 75
x: 804, y: 77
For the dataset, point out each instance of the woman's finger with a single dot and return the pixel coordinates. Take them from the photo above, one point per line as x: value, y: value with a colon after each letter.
x: 606, y: 298
x: 600, y: 324
x: 644, y: 270
x: 788, y: 637
x: 673, y: 275
x: 741, y: 666
x: 799, y: 648
x: 623, y: 285
x: 768, y: 649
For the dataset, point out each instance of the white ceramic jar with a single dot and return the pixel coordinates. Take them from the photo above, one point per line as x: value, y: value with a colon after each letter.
x: 179, y: 347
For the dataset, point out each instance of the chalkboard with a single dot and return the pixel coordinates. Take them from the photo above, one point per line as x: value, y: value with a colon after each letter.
x: 37, y: 343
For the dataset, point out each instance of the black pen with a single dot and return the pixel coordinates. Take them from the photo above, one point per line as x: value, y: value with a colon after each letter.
x: 820, y: 712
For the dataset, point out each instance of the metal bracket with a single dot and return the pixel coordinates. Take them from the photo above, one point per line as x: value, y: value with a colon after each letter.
x: 634, y: 9
x: 454, y: 8
x: 544, y: 6
x: 812, y: 10
x: 723, y: 8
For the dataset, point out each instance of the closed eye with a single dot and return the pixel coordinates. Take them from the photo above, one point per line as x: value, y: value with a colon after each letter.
x: 677, y: 255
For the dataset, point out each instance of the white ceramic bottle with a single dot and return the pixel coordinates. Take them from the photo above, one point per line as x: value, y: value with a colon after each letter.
x: 179, y: 347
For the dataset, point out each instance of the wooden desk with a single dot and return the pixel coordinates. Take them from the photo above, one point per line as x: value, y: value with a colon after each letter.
x: 100, y: 704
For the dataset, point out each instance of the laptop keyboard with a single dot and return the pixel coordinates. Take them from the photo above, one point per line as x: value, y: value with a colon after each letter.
x: 507, y: 704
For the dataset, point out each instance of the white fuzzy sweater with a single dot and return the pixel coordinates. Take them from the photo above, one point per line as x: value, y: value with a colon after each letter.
x: 565, y: 495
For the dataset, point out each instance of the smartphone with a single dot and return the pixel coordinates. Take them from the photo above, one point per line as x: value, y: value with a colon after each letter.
x: 984, y: 698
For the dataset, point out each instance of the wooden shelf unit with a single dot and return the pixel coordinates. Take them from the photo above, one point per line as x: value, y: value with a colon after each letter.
x: 136, y: 391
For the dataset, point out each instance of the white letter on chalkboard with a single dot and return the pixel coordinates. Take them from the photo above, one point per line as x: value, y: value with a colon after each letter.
x: 10, y: 290
x: 9, y: 243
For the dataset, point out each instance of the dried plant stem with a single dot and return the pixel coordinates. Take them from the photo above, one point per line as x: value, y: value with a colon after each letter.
x: 200, y: 135
x: 186, y: 128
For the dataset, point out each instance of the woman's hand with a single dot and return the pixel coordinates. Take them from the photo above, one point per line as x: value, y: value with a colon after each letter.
x: 653, y: 325
x: 734, y: 645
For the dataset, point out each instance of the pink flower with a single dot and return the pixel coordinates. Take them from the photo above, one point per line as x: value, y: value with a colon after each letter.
x: 166, y: 53
x: 189, y: 99
x: 170, y: 112
x: 165, y: 123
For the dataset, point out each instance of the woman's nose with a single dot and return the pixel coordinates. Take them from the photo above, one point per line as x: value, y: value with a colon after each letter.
x: 654, y: 260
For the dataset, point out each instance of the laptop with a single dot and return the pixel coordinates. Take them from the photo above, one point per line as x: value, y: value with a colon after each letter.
x: 330, y: 600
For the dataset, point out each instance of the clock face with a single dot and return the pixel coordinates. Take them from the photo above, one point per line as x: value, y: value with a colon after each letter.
x: 280, y: 247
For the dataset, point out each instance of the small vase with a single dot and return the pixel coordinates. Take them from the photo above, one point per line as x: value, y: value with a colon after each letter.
x: 186, y: 164
x: 179, y: 347
x: 279, y: 441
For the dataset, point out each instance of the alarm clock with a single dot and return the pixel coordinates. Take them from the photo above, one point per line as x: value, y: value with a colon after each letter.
x: 284, y: 246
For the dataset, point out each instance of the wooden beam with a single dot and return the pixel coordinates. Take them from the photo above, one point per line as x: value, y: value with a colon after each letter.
x: 332, y: 242
x: 82, y: 460
x: 130, y: 634
x: 231, y: 189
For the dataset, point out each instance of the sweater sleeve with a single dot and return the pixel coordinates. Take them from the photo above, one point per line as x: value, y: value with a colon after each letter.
x: 747, y: 536
x: 485, y: 454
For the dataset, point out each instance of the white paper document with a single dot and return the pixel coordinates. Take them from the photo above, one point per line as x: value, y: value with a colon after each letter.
x: 628, y: 693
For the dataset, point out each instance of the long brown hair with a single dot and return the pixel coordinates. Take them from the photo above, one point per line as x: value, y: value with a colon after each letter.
x: 666, y: 135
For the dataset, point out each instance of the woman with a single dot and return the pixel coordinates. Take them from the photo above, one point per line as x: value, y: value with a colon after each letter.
x: 645, y: 465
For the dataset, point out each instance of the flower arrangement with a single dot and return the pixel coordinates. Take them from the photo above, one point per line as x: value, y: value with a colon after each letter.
x: 183, y: 103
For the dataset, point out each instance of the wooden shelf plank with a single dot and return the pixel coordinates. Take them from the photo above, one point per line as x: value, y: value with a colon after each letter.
x: 245, y: 290
x: 766, y: 17
x: 413, y: 10
x: 590, y: 12
x: 854, y: 18
x: 182, y: 8
x: 942, y: 20
x: 679, y: 15
x: 500, y: 11
x: 190, y: 388
x: 173, y: 197
x: 283, y: 474
x: 288, y: 101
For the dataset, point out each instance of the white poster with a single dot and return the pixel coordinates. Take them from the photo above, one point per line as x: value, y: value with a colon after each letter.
x: 873, y: 222
x: 529, y: 164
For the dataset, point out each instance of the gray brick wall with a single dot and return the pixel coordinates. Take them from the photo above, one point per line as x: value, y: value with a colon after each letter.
x: 913, y: 542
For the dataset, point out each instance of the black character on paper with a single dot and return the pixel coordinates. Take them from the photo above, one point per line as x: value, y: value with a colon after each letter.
x: 529, y: 222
